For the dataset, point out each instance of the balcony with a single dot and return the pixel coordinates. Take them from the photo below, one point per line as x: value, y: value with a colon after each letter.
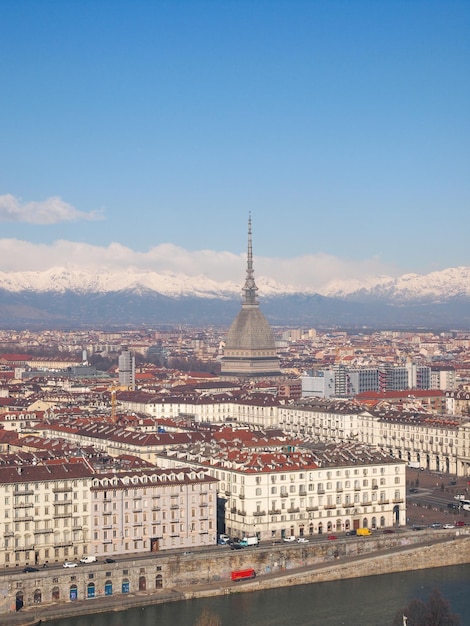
x: 233, y: 510
x: 242, y: 513
x: 259, y: 513
x: 24, y: 492
x: 271, y: 512
x: 284, y: 495
x: 22, y: 505
x: 329, y: 506
x: 320, y: 491
x: 43, y: 531
x: 397, y: 500
x: 312, y: 508
x: 62, y: 489
x: 242, y: 496
x: 294, y: 510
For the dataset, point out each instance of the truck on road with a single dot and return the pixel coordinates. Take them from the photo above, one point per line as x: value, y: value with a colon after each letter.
x: 249, y: 541
x: 243, y: 574
x: 363, y: 532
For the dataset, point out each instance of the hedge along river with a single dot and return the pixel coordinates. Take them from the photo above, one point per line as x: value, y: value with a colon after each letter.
x: 370, y: 601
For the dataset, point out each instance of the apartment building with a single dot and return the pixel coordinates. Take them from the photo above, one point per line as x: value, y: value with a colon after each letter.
x: 300, y: 492
x: 436, y: 442
x: 44, y: 513
x: 60, y: 511
x: 152, y: 510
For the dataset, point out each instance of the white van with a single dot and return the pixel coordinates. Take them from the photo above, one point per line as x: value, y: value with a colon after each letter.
x: 88, y: 559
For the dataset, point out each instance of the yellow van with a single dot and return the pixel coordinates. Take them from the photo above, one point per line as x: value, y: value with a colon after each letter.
x: 364, y: 532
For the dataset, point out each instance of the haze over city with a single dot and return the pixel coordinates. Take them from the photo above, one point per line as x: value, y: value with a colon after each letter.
x: 139, y: 135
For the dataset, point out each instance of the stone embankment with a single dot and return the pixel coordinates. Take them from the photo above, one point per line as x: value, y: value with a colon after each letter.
x: 276, y: 566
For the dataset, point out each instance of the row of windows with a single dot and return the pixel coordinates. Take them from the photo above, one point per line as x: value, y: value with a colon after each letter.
x: 303, y: 476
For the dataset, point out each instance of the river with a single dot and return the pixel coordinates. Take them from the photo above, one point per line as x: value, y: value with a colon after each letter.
x: 371, y: 601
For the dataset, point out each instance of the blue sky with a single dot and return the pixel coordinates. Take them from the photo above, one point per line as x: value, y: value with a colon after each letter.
x: 141, y: 133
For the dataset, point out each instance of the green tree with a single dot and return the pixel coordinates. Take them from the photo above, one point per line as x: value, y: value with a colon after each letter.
x: 435, y: 612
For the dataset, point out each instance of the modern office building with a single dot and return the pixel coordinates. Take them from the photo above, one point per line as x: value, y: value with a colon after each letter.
x: 126, y: 368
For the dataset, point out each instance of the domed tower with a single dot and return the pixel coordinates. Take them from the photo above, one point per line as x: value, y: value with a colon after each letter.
x: 250, y: 350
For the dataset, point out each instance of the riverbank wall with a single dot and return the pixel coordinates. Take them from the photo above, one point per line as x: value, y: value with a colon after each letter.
x: 195, y: 575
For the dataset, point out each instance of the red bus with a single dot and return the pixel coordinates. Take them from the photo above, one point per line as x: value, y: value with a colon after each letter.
x: 243, y: 574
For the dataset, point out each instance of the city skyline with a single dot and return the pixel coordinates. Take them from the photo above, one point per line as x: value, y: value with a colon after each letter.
x: 141, y: 135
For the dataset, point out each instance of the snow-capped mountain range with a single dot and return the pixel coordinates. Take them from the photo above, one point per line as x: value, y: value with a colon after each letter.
x: 438, y: 286
x: 61, y: 297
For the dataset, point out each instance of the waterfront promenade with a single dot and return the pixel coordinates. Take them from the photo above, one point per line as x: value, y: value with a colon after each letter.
x: 433, y: 553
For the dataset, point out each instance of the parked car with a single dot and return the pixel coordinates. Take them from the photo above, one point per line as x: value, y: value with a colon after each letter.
x: 30, y: 569
x: 413, y: 490
x: 289, y: 539
x: 332, y: 537
x: 436, y: 525
x: 302, y: 540
x: 351, y: 533
x: 388, y: 531
x: 109, y: 561
x: 459, y: 523
x: 448, y: 526
x: 224, y: 539
x: 70, y: 564
x: 236, y: 546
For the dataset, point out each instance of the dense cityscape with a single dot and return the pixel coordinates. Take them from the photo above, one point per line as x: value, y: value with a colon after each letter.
x: 135, y: 442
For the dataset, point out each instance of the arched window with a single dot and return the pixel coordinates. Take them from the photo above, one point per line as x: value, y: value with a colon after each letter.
x: 55, y: 593
x: 73, y: 594
x: 142, y: 583
x: 37, y: 596
x: 19, y: 600
x: 90, y: 590
x: 158, y: 581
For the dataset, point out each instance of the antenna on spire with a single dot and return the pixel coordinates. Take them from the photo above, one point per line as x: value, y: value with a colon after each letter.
x: 250, y: 288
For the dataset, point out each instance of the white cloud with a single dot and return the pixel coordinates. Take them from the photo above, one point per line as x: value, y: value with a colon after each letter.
x: 49, y: 211
x: 314, y: 272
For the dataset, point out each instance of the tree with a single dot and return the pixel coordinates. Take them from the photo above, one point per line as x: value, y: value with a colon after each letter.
x: 435, y: 612
x: 208, y: 618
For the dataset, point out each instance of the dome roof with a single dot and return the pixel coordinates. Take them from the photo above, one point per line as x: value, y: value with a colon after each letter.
x: 250, y: 331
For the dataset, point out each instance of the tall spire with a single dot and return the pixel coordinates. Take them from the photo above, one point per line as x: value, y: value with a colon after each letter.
x: 249, y: 290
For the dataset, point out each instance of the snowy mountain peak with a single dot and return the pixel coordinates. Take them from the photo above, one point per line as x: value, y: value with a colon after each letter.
x: 437, y: 286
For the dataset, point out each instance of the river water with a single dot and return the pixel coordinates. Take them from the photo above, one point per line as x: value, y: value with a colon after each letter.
x: 371, y: 601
